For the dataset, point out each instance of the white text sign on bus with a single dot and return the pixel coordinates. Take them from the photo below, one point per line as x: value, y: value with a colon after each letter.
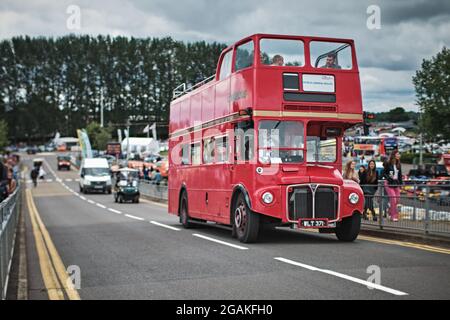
x: 318, y: 83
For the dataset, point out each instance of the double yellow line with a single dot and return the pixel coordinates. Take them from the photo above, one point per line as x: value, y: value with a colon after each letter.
x: 56, y: 279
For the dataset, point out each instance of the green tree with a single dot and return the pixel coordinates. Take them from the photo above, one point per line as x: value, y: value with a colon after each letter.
x: 98, y: 136
x: 3, y: 134
x: 432, y: 83
x: 397, y: 115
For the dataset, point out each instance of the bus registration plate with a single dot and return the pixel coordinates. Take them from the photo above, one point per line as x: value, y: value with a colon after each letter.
x: 312, y: 223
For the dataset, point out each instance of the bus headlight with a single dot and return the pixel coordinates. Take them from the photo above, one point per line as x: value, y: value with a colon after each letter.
x: 267, y: 198
x: 353, y: 198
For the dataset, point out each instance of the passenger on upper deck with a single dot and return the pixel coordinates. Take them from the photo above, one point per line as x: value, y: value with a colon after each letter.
x: 278, y: 60
x: 331, y: 62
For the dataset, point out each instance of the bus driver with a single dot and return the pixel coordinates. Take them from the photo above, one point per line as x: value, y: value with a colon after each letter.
x: 331, y: 62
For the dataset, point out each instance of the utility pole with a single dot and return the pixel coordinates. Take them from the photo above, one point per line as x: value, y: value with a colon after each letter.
x: 128, y: 139
x: 421, y: 150
x: 101, y: 107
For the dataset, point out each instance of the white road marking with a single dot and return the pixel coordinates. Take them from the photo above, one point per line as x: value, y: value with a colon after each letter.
x: 134, y: 217
x: 344, y: 276
x: 115, y: 211
x: 49, y: 180
x: 100, y: 205
x: 164, y: 226
x: 220, y: 241
x: 91, y: 202
x: 69, y: 180
x: 83, y: 198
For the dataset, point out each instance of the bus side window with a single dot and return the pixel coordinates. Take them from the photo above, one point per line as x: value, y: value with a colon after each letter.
x: 225, y: 68
x: 185, y: 155
x: 196, y: 156
x: 222, y: 150
x: 208, y: 150
x: 244, y: 56
x: 245, y: 141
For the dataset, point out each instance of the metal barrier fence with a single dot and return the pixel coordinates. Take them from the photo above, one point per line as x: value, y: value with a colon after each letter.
x: 420, y: 206
x: 9, y: 217
x: 154, y: 191
x: 423, y: 207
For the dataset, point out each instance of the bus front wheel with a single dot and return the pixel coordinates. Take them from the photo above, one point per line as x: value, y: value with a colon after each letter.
x: 184, y: 213
x: 245, y: 222
x: 348, y: 229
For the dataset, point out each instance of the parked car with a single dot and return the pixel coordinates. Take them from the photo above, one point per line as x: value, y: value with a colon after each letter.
x: 32, y: 150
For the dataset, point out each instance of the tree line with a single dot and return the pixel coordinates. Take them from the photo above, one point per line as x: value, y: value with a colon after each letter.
x: 59, y: 84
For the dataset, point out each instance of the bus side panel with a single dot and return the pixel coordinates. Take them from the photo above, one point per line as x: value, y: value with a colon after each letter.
x: 348, y: 93
x: 174, y: 123
x: 269, y: 87
x: 222, y: 101
x: 241, y: 92
x: 208, y: 103
x: 185, y: 113
x: 196, y: 109
x: 174, y: 183
x: 194, y: 186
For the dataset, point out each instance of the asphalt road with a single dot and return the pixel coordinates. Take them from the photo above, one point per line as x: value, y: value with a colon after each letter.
x: 138, y: 251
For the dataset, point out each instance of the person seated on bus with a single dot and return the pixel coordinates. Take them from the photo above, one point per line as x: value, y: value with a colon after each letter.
x: 331, y: 62
x: 278, y: 61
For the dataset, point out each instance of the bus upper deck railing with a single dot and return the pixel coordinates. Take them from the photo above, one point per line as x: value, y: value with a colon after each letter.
x: 9, y: 217
x: 182, y: 89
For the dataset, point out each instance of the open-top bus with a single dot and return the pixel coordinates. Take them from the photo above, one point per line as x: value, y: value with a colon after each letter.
x: 260, y: 142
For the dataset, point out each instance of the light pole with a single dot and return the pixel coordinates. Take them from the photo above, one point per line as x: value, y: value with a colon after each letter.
x: 128, y: 139
x: 101, y: 107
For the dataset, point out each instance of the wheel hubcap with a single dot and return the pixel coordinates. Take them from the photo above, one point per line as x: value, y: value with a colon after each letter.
x: 240, y: 216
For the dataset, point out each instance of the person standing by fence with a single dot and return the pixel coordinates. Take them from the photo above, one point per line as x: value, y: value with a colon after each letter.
x: 369, y: 185
x: 350, y: 172
x: 393, y: 175
x: 3, y: 182
x: 11, y: 181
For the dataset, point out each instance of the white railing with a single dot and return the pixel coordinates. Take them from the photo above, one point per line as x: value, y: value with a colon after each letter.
x: 182, y: 89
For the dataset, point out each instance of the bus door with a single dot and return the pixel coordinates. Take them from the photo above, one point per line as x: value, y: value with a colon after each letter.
x: 243, y: 150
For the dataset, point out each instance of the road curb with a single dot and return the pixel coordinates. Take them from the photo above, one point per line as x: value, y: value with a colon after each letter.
x: 154, y: 199
x: 432, y: 240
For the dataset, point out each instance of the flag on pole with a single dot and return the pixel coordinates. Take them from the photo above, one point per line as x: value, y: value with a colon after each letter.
x: 153, y: 129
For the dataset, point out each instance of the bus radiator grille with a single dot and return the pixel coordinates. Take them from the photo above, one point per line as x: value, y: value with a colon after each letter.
x: 300, y: 203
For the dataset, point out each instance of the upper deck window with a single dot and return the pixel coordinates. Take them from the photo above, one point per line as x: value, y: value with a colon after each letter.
x: 282, y: 52
x: 225, y: 67
x: 244, y: 56
x: 331, y: 55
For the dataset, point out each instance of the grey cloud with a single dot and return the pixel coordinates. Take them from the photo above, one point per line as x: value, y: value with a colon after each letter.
x: 411, y: 29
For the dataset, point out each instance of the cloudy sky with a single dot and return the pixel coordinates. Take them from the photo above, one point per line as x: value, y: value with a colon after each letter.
x: 411, y: 30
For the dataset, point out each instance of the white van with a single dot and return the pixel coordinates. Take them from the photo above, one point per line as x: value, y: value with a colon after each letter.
x: 95, y: 175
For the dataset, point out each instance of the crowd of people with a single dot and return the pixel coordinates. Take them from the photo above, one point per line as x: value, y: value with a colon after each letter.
x: 368, y: 178
x: 152, y: 175
x: 9, y: 174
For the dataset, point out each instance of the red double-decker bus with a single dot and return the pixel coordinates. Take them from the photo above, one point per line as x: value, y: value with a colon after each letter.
x: 260, y: 142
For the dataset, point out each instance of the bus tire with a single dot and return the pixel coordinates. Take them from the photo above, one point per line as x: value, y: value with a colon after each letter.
x: 184, y: 213
x: 245, y: 222
x: 348, y: 229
